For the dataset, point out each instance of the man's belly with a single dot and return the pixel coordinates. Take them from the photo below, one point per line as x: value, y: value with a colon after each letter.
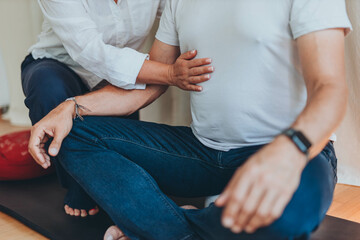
x: 227, y: 116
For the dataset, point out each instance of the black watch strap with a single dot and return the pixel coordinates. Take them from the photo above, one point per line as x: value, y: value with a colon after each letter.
x: 298, y: 138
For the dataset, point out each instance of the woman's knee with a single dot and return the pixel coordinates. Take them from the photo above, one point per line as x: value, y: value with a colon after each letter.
x: 44, y: 82
x: 46, y: 85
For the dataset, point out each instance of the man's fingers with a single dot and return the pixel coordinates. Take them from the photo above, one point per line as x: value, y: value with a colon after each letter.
x: 201, y: 70
x: 224, y: 197
x: 188, y: 55
x: 226, y: 194
x: 248, y: 208
x: 262, y: 216
x: 279, y: 206
x: 47, y: 161
x: 56, y: 144
x: 230, y: 213
x: 199, y: 62
x: 37, y: 135
x: 44, y: 140
x: 40, y: 158
x: 235, y: 204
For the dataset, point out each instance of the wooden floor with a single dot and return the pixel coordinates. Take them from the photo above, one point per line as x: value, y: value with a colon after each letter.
x: 346, y: 205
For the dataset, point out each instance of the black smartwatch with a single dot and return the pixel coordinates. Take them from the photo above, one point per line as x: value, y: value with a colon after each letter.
x: 300, y: 141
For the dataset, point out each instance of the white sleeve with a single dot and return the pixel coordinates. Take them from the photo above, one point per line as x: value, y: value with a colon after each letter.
x: 313, y: 15
x: 85, y: 45
x: 167, y: 32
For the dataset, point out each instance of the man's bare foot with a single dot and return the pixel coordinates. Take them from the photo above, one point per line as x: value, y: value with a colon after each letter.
x: 83, y: 213
x: 114, y: 233
x: 189, y: 207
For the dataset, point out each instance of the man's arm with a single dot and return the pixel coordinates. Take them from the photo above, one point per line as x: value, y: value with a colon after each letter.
x: 260, y: 190
x: 109, y: 100
x: 323, y: 67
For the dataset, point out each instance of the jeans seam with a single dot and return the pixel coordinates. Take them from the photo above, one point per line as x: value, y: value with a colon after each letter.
x: 162, y: 151
x: 219, y: 160
x: 331, y: 164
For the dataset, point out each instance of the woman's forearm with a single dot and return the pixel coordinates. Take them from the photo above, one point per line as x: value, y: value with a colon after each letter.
x: 167, y: 67
x: 153, y: 72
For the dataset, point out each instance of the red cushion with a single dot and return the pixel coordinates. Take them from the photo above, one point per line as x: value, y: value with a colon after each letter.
x: 15, y: 161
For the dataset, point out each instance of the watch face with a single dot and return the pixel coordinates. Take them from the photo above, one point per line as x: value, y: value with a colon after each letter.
x: 301, y: 142
x: 303, y: 139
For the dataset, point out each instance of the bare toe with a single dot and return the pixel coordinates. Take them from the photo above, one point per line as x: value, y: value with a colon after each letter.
x: 94, y: 211
x: 83, y: 213
x: 71, y: 211
x: 66, y: 208
x: 77, y: 212
x: 114, y: 233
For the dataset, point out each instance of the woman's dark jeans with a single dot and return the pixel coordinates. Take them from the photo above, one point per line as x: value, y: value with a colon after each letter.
x: 129, y: 166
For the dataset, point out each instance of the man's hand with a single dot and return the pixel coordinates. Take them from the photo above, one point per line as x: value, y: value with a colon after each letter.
x: 261, y: 189
x: 187, y: 72
x: 57, y: 125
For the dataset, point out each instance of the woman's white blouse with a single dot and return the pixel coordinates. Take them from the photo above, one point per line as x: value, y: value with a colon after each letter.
x: 98, y: 39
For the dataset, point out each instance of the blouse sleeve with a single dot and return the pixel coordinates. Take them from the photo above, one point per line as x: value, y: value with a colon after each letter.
x: 85, y: 45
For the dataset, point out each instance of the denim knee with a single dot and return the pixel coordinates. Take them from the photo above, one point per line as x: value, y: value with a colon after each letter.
x: 312, y: 199
x: 79, y: 139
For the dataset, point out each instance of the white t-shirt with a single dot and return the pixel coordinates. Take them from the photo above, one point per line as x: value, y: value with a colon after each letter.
x: 257, y: 89
x: 98, y: 39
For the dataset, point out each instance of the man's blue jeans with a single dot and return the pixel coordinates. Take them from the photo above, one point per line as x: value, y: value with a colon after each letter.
x: 129, y: 167
x: 47, y: 83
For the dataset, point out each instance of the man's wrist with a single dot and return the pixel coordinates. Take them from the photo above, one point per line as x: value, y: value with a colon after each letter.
x: 291, y: 148
x: 81, y: 111
x: 78, y: 109
x: 69, y: 107
x: 299, y: 140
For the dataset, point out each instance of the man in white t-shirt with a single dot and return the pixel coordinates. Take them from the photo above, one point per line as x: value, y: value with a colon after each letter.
x: 260, y: 132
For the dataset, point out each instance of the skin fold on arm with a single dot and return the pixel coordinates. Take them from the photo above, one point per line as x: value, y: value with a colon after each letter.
x: 108, y: 101
x: 261, y: 189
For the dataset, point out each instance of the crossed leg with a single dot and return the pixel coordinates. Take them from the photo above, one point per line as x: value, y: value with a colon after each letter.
x: 128, y: 166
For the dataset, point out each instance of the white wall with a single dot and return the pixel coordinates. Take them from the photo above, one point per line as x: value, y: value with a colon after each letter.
x: 4, y: 86
x: 20, y: 22
x: 348, y: 144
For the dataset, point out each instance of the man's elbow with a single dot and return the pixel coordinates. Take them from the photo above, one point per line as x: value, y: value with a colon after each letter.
x: 334, y: 86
